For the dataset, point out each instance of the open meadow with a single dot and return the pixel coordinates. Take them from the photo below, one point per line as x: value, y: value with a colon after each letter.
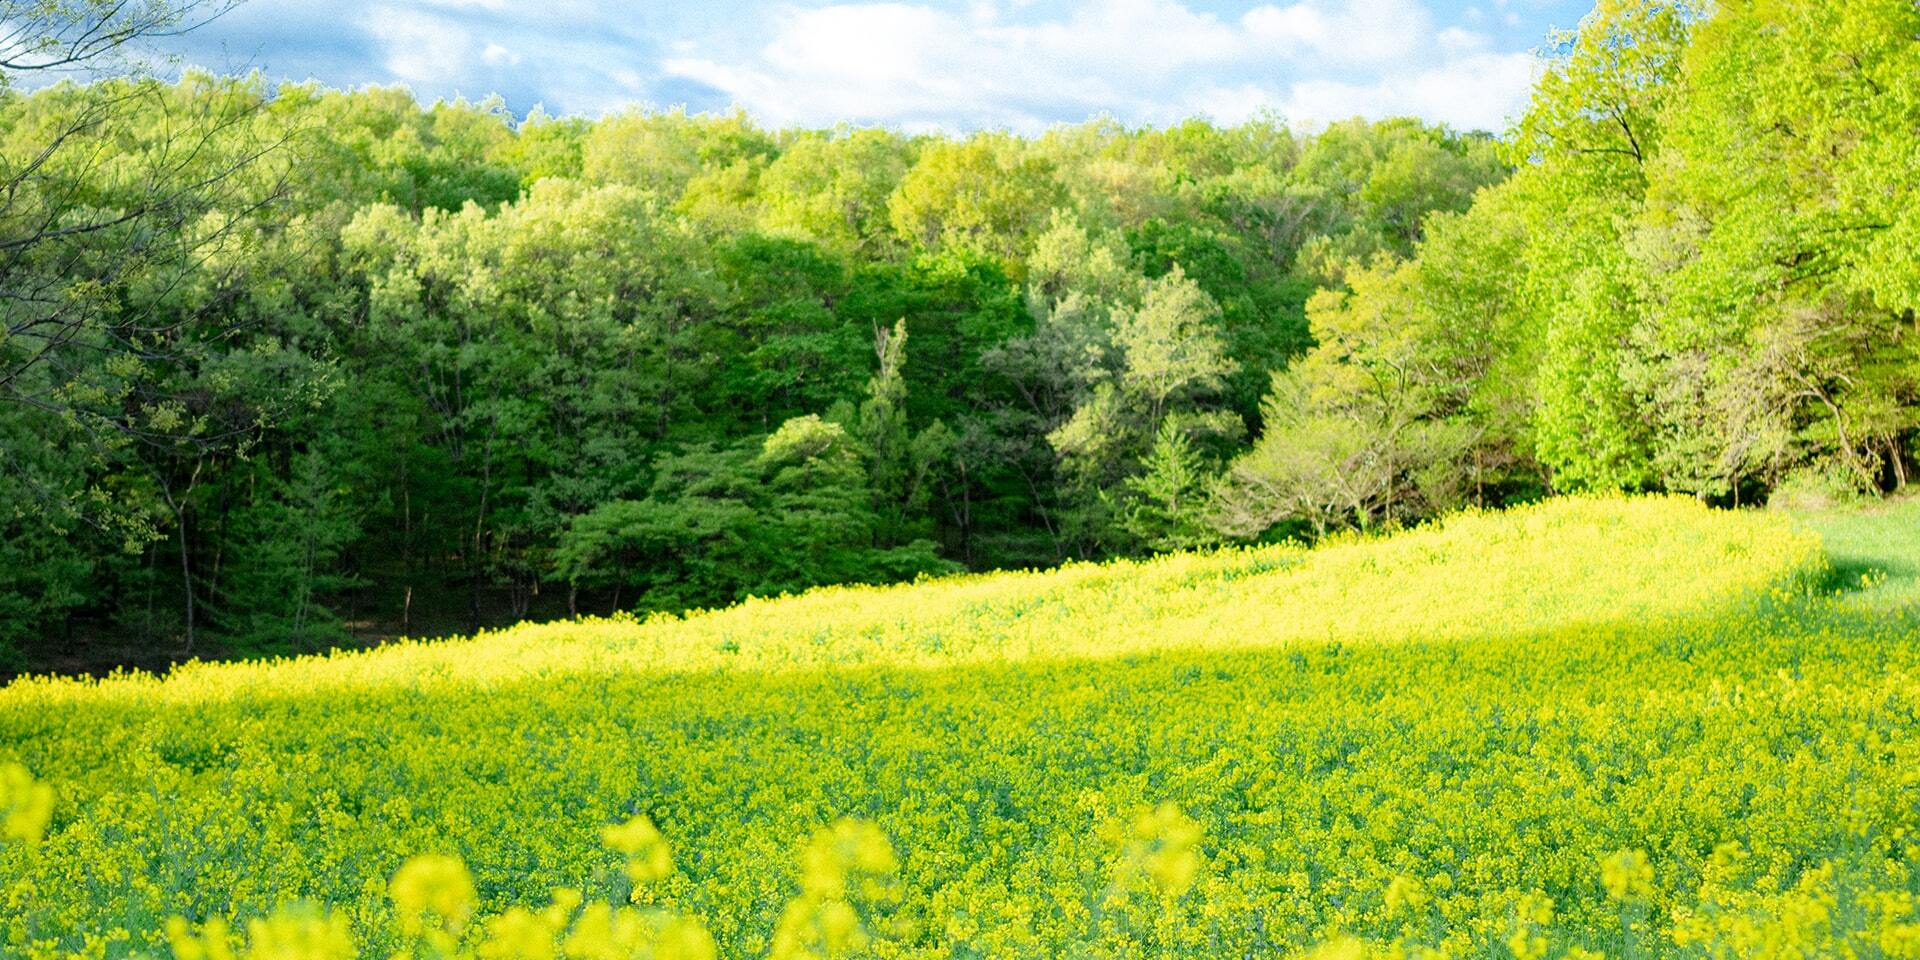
x: 1631, y: 727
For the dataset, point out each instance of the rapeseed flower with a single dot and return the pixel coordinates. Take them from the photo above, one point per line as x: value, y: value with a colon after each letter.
x: 26, y: 805
x: 1405, y: 895
x: 433, y: 891
x: 299, y: 932
x: 649, y: 859
x: 1627, y: 875
x: 1162, y: 847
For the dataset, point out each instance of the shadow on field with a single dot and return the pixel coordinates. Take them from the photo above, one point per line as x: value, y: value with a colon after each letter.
x: 1874, y: 553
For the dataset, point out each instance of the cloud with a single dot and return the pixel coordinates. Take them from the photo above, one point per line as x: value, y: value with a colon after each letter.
x: 1354, y: 32
x: 1457, y: 41
x: 913, y: 64
x: 499, y: 56
x: 1480, y: 92
x: 581, y: 56
x: 918, y: 65
x: 420, y: 47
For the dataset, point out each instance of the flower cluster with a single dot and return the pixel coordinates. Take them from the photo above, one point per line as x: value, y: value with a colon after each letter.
x: 26, y: 805
x: 1627, y: 875
x: 848, y: 878
x: 1162, y: 849
x: 1604, y: 727
x: 648, y: 857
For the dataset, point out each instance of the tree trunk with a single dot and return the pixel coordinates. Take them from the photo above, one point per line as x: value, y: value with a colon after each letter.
x: 179, y: 507
x: 186, y: 568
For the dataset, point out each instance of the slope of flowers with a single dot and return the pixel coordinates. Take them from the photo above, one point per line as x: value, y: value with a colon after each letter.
x: 1614, y: 727
x: 1555, y: 565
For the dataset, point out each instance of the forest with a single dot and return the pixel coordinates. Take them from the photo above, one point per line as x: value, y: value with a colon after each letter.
x: 285, y: 367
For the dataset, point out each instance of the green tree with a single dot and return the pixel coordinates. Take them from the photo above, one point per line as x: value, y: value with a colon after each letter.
x: 1165, y: 505
x: 834, y: 188
x: 986, y: 195
x: 661, y: 153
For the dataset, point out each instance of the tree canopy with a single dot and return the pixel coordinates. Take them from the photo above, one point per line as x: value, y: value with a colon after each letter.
x: 352, y: 367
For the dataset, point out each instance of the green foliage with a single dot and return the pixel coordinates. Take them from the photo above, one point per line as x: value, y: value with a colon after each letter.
x: 987, y: 195
x: 1682, y: 288
x: 1416, y: 398
x: 456, y: 358
x: 421, y: 369
x: 280, y: 555
x: 663, y: 153
x: 1164, y: 506
x: 834, y: 189
x: 1367, y: 188
x: 815, y: 502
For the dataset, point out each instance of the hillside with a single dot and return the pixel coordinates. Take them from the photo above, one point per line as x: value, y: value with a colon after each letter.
x: 1633, y: 726
x: 359, y: 365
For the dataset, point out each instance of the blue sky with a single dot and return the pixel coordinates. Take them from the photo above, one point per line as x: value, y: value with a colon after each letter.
x: 919, y: 64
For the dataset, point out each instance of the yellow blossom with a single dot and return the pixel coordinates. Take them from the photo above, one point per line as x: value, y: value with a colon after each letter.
x: 1627, y: 875
x: 26, y: 806
x: 433, y: 891
x: 649, y: 859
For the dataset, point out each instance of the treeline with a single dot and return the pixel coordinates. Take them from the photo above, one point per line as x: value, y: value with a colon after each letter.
x: 284, y: 365
x: 1701, y: 278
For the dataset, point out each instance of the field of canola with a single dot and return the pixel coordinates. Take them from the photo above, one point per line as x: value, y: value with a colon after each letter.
x: 1607, y: 727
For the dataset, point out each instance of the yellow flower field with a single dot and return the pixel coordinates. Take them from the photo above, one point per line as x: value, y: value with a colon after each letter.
x: 1593, y: 727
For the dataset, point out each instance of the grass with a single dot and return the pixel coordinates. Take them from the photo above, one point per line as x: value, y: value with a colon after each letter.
x: 1875, y: 552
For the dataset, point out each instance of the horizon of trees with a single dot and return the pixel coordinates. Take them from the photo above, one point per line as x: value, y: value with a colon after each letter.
x: 284, y: 365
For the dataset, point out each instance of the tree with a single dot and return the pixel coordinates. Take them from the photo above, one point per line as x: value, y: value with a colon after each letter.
x: 1417, y: 396
x: 901, y: 463
x: 68, y: 36
x: 661, y: 153
x: 1169, y: 360
x: 556, y: 344
x: 99, y: 327
x: 1772, y: 344
x: 833, y: 188
x: 794, y: 352
x: 1169, y: 364
x: 280, y: 553
x: 1164, y: 506
x: 986, y: 195
x: 72, y: 238
x: 691, y: 542
x: 1171, y: 344
x: 1367, y: 188
x: 778, y: 515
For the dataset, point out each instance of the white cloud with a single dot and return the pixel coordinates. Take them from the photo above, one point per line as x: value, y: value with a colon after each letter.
x: 912, y: 64
x: 495, y: 55
x: 915, y: 65
x: 1482, y: 92
x: 473, y: 48
x: 420, y: 47
x: 1353, y: 31
x: 1457, y: 41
